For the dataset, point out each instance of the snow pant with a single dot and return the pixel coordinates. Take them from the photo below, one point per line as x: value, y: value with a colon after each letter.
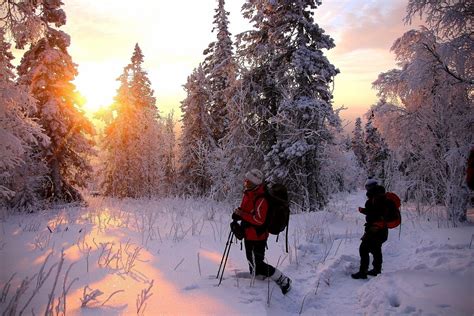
x: 255, y: 252
x: 372, y: 244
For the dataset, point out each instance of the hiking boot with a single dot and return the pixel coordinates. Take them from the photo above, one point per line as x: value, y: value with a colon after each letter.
x: 374, y: 272
x: 284, y: 284
x: 282, y: 280
x: 359, y: 275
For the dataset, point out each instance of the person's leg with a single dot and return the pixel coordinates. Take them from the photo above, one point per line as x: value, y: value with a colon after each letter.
x: 376, y: 250
x: 249, y: 253
x: 262, y: 268
x: 364, y: 249
x: 255, y: 251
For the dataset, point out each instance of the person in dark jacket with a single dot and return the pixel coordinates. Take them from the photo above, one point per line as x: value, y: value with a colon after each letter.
x: 470, y: 170
x: 252, y: 213
x: 376, y: 231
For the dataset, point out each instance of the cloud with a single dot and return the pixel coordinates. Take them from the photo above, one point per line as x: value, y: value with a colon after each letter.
x: 371, y: 25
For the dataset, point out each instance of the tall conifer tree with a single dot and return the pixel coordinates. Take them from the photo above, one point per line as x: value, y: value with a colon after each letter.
x: 376, y: 150
x: 133, y: 137
x: 197, y: 140
x: 220, y: 69
x: 358, y: 143
x: 48, y: 70
x: 19, y: 166
x: 288, y: 94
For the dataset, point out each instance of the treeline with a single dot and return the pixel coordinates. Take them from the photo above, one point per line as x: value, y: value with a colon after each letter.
x: 261, y: 99
x: 424, y: 121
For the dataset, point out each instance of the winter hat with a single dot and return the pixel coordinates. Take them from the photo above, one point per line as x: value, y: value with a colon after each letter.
x: 370, y: 183
x: 255, y: 176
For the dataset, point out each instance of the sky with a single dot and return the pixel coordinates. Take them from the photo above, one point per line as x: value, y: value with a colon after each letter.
x: 173, y: 35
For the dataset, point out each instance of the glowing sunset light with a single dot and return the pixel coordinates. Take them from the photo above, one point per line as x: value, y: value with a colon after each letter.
x: 97, y: 85
x: 173, y: 35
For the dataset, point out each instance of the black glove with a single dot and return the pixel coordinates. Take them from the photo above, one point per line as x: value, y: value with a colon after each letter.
x: 236, y: 217
x: 238, y: 230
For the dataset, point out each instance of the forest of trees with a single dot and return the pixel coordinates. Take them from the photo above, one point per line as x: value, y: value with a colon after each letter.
x: 260, y: 99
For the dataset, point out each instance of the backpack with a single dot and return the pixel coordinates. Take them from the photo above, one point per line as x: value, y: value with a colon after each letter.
x: 278, y: 214
x: 393, y: 218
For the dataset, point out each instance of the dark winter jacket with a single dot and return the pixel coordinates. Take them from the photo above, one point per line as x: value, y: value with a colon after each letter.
x: 470, y: 170
x: 254, y: 209
x: 376, y: 207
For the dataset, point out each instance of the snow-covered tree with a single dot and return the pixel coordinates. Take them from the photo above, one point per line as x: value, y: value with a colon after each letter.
x: 27, y: 21
x: 430, y: 103
x: 376, y: 149
x: 238, y: 150
x: 206, y: 113
x: 133, y: 137
x: 48, y: 71
x: 19, y: 133
x: 358, y: 143
x: 220, y: 69
x: 450, y: 28
x: 341, y: 171
x: 169, y: 143
x: 288, y: 94
x: 197, y: 138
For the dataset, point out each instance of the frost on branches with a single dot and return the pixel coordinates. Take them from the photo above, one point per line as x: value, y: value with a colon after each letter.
x: 133, y: 148
x: 358, y: 143
x: 27, y: 21
x: 19, y: 171
x: 288, y: 94
x: 47, y: 69
x: 430, y: 98
x: 206, y: 115
x: 376, y: 150
x: 220, y: 69
x: 197, y: 137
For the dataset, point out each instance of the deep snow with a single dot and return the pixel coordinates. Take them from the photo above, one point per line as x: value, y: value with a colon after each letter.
x: 124, y: 245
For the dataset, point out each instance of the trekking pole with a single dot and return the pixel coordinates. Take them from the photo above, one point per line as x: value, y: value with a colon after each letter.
x: 227, y: 246
x: 226, y: 257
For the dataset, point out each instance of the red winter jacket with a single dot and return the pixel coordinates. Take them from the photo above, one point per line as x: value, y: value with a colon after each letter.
x: 254, y: 209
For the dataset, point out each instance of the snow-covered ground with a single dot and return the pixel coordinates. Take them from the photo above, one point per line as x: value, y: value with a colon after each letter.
x: 162, y: 256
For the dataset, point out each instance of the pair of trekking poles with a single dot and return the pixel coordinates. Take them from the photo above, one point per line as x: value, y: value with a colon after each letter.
x: 225, y: 256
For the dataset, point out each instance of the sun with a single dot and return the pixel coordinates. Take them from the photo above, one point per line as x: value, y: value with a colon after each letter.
x: 96, y: 87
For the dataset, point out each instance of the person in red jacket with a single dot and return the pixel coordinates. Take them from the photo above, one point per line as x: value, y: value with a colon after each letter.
x: 252, y: 213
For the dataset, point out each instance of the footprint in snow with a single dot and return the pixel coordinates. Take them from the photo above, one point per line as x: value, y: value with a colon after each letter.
x: 394, y: 300
x: 430, y: 284
x: 409, y: 309
x: 441, y: 261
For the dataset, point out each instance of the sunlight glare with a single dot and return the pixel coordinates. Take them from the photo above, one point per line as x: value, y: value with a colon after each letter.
x: 97, y: 85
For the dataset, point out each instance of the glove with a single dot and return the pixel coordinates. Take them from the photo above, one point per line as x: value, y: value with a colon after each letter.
x: 236, y: 217
x: 238, y: 230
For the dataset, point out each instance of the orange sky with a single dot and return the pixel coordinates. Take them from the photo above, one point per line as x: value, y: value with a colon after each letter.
x: 173, y: 34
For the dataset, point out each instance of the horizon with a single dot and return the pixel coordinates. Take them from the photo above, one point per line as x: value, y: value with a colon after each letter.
x: 171, y: 56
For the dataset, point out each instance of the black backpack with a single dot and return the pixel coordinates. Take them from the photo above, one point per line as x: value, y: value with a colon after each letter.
x: 278, y: 214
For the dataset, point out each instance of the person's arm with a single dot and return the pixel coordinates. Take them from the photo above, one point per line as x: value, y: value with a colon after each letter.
x: 258, y: 215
